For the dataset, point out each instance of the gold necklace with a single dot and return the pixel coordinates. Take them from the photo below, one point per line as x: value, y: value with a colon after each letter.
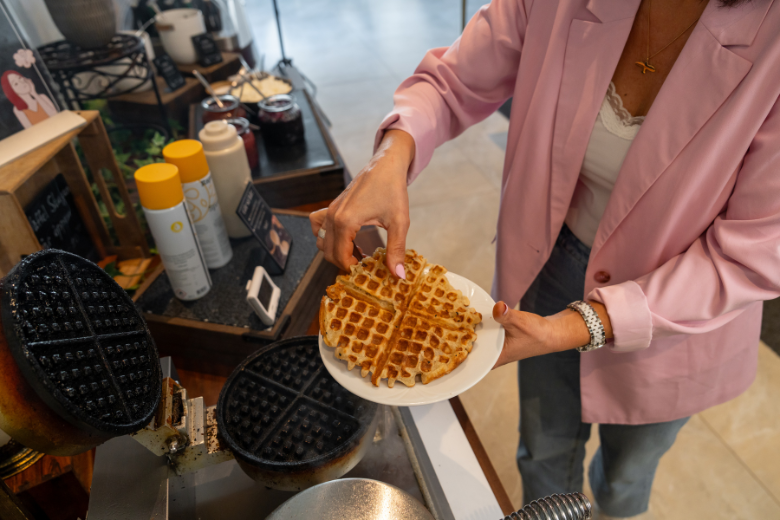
x: 646, y: 64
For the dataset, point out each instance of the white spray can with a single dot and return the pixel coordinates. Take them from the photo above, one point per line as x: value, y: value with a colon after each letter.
x: 162, y: 197
x: 201, y: 200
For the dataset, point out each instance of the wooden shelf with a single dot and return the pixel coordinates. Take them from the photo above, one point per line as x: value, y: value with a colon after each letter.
x: 229, y: 65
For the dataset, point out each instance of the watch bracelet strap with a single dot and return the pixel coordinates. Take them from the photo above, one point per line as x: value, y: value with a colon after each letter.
x: 598, y: 337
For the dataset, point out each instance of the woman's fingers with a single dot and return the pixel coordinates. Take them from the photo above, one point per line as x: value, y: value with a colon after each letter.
x: 396, y: 247
x: 339, y: 238
x: 526, y: 334
x: 500, y: 310
x: 317, y: 220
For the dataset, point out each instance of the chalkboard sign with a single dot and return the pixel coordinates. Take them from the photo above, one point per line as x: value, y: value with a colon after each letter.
x: 167, y: 69
x: 256, y: 214
x: 207, y: 50
x: 56, y: 221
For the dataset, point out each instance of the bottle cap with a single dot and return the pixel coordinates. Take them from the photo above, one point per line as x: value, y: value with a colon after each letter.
x: 159, y: 186
x: 218, y: 135
x: 188, y: 156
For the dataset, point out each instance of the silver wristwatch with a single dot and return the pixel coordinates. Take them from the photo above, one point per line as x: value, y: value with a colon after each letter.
x: 598, y: 338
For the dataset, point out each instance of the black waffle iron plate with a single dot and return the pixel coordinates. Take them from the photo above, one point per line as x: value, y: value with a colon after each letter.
x: 289, y: 424
x: 79, y: 343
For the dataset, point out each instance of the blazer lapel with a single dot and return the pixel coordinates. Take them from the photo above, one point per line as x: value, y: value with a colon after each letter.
x: 593, y: 49
x: 701, y: 80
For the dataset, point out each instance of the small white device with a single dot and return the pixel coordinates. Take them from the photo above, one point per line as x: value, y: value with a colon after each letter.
x: 263, y: 296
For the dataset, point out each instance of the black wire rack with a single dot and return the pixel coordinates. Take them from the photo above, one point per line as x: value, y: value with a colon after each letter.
x: 121, y: 67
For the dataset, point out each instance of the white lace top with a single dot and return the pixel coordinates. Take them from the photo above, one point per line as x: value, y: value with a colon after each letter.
x: 610, y: 140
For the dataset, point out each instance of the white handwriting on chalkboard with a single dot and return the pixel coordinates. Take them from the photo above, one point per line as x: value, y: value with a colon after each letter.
x: 54, y: 201
x: 60, y: 228
x: 39, y: 218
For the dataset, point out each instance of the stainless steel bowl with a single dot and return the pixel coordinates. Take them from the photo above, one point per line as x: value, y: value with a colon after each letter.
x: 353, y: 498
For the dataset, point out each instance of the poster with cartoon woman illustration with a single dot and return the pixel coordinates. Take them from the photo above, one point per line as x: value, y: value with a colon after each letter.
x: 26, y: 98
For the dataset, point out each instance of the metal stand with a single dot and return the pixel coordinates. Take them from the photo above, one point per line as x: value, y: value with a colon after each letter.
x: 120, y: 67
x: 284, y: 62
x: 285, y: 65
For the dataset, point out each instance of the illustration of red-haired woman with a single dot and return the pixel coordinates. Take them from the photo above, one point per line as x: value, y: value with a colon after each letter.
x: 30, y: 107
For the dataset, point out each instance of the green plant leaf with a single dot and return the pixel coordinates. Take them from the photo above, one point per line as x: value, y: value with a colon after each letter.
x: 112, y: 270
x: 158, y: 139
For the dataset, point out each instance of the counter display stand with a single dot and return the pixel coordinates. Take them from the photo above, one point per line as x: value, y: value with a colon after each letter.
x: 230, y: 64
x: 290, y: 176
x: 221, y: 326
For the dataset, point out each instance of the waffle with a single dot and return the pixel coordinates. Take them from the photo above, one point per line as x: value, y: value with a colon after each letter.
x: 427, y: 348
x: 372, y: 278
x: 437, y: 300
x: 398, y: 329
x: 358, y: 329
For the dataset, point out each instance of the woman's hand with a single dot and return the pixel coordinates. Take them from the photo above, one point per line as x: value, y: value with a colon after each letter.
x: 377, y: 196
x: 529, y: 335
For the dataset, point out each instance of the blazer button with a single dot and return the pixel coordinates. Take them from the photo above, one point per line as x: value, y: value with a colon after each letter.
x: 601, y: 277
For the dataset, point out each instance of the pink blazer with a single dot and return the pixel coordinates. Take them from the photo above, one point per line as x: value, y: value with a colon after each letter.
x: 691, y: 236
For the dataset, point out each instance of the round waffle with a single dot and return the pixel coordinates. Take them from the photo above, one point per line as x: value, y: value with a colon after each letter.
x: 398, y: 329
x: 80, y: 343
x: 282, y: 415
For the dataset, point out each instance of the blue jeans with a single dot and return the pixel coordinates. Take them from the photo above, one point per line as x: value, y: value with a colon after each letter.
x: 552, y: 435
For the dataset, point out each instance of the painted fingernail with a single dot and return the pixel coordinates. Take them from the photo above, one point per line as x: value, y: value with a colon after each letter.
x: 506, y: 309
x: 400, y: 271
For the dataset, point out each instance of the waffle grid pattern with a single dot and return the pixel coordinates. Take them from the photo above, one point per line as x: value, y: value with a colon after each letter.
x: 83, y: 338
x: 398, y: 329
x: 281, y: 406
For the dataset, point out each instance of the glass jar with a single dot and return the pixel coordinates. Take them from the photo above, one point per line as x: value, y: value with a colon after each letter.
x: 281, y: 120
x: 230, y: 108
x: 244, y: 132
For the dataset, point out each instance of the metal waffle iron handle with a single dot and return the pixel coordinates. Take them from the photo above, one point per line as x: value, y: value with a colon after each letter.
x: 571, y: 506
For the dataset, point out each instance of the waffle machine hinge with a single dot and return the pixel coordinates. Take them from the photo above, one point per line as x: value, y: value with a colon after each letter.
x: 184, y: 431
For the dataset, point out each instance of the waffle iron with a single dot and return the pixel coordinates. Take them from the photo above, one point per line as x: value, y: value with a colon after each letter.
x: 78, y: 365
x: 288, y: 423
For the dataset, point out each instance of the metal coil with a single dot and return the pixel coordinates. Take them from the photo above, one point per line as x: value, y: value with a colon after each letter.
x: 571, y: 506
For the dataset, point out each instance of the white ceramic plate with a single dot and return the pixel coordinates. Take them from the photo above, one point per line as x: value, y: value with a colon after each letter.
x: 484, y: 354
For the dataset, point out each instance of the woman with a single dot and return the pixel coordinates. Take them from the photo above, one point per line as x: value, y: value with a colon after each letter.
x: 29, y: 106
x: 640, y: 175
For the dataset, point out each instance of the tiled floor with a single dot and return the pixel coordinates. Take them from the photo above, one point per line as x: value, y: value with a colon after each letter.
x: 726, y: 462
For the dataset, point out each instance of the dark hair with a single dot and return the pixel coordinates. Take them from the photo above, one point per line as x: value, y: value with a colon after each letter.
x: 732, y: 3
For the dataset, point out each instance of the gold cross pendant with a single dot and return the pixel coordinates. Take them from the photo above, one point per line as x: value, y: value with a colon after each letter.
x: 645, y: 66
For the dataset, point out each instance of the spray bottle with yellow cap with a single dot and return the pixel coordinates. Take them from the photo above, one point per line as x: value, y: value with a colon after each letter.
x: 162, y: 197
x: 202, y: 203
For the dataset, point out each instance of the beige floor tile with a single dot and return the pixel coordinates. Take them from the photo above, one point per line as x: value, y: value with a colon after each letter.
x: 702, y: 479
x: 348, y: 104
x: 449, y: 175
x: 750, y: 424
x: 493, y: 407
x: 457, y: 233
x: 482, y: 150
x: 590, y: 451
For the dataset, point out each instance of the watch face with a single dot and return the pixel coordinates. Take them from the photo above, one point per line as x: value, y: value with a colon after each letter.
x: 265, y: 292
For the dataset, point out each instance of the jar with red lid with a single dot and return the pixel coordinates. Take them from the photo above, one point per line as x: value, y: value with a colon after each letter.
x: 281, y: 120
x: 245, y: 132
x: 230, y: 108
